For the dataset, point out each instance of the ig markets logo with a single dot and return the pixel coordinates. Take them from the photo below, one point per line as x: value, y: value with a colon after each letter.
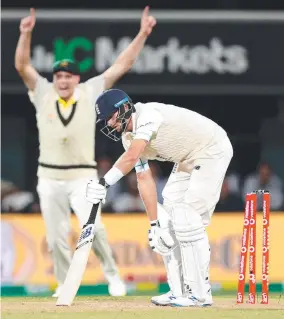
x: 77, y: 46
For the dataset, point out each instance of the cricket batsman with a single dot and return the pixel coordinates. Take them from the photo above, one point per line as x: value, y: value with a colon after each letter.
x: 201, y: 151
x: 66, y: 121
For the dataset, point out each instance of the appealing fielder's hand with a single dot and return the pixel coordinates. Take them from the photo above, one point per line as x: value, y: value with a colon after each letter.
x: 95, y: 192
x: 147, y: 22
x: 160, y: 239
x: 27, y: 24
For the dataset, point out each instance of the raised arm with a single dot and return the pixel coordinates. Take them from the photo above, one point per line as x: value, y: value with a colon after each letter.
x: 126, y: 59
x: 23, y: 52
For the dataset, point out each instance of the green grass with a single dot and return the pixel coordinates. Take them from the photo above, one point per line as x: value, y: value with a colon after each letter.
x: 134, y: 308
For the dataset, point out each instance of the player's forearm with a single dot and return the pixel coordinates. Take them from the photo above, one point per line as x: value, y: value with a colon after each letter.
x: 130, y: 54
x: 23, y: 51
x: 126, y: 162
x: 121, y: 168
x: 148, y: 193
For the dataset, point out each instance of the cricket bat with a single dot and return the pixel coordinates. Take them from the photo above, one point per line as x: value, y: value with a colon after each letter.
x: 80, y: 258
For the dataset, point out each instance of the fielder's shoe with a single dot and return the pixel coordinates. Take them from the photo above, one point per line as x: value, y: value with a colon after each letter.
x: 163, y: 300
x: 116, y: 287
x: 188, y: 300
x: 57, y: 292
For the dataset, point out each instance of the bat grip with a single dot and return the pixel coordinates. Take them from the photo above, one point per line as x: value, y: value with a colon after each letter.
x: 95, y: 207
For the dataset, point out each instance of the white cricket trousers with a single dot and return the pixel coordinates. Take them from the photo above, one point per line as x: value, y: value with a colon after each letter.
x: 199, y: 184
x: 56, y: 198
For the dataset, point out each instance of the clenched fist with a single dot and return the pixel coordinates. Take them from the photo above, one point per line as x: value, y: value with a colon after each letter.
x: 147, y: 22
x: 95, y: 192
x: 160, y: 239
x: 27, y: 24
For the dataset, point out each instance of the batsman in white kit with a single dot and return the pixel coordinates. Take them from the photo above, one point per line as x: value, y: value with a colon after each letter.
x: 66, y: 121
x: 201, y: 151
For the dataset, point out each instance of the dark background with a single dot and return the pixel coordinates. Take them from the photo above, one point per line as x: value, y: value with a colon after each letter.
x: 156, y: 4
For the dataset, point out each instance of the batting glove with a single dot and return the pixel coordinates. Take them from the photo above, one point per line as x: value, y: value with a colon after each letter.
x: 160, y: 239
x: 95, y: 192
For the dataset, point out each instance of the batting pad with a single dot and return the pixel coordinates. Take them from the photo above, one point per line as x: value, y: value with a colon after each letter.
x: 174, y: 271
x: 195, y: 255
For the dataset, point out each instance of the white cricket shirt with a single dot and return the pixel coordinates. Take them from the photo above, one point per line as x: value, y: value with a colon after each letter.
x: 175, y: 134
x: 66, y: 135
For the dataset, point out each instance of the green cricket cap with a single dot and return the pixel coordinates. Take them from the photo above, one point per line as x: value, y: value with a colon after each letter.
x: 66, y: 65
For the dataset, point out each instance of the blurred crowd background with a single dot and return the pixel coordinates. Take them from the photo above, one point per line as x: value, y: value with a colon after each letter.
x: 252, y: 117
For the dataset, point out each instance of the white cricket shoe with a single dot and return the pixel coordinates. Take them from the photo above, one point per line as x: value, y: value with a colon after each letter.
x: 57, y: 291
x: 188, y: 300
x: 116, y: 287
x: 163, y: 300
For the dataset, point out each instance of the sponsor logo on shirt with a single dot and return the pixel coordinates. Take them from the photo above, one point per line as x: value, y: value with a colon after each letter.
x: 169, y: 159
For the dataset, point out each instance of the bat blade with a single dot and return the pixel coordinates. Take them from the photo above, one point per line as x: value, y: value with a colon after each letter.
x: 80, y: 258
x: 77, y: 268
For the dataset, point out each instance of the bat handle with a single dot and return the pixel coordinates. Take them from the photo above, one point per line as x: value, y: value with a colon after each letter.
x: 95, y: 207
x: 102, y: 181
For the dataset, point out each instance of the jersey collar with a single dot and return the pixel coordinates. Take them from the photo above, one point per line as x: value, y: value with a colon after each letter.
x: 134, y: 117
x: 71, y: 101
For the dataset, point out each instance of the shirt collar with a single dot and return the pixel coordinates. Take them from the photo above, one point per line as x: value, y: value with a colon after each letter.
x: 134, y: 116
x: 71, y: 101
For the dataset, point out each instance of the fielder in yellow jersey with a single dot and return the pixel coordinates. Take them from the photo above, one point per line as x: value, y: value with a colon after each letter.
x: 66, y: 120
x: 201, y: 151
